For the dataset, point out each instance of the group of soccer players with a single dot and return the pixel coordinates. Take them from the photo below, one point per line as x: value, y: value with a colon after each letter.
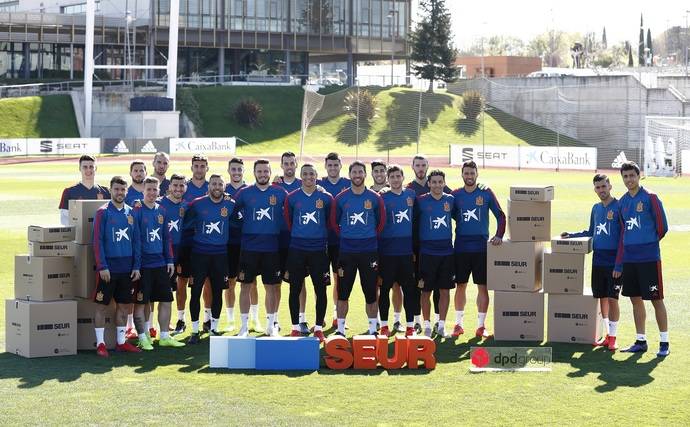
x: 162, y: 235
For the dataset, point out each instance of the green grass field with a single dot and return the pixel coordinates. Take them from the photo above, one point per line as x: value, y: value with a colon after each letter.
x: 171, y: 386
x: 38, y: 117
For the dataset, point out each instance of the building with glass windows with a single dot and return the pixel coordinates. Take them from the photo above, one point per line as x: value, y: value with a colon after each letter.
x: 240, y: 39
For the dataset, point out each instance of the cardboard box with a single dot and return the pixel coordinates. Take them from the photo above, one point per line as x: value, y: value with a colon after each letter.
x: 575, y: 245
x: 531, y: 193
x: 47, y: 234
x: 529, y: 221
x: 573, y: 319
x: 84, y: 281
x: 81, y: 213
x: 563, y: 273
x: 52, y: 249
x: 43, y: 278
x: 514, y: 266
x: 519, y: 316
x: 41, y: 329
x: 86, y: 322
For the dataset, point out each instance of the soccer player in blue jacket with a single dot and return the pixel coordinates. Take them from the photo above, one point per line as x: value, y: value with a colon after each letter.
x: 473, y: 205
x: 161, y: 163
x: 358, y: 216
x: 85, y: 189
x: 306, y: 212
x: 210, y: 218
x: 395, y: 251
x: 261, y: 205
x: 157, y: 266
x: 605, y: 230
x: 643, y: 224
x: 118, y: 262
x: 334, y: 184
x: 137, y: 172
x: 433, y: 216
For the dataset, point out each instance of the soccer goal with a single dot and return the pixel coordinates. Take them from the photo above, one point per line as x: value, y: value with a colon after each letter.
x: 666, y: 145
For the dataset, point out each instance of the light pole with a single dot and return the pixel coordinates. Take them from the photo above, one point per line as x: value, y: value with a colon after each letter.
x: 391, y: 23
x: 687, y: 48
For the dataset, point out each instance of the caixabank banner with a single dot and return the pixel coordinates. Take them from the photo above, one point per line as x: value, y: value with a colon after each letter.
x: 527, y: 156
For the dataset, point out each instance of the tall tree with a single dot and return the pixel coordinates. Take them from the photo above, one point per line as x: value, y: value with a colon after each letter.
x: 649, y: 46
x: 640, y: 46
x: 432, y: 48
x: 604, y: 44
x: 631, y: 63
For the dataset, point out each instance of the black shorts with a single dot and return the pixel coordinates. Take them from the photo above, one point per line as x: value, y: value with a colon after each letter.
x: 301, y: 263
x: 120, y: 288
x: 470, y: 262
x: 396, y: 269
x: 184, y: 267
x: 367, y: 265
x: 282, y: 258
x: 211, y: 266
x: 153, y: 286
x: 265, y: 264
x: 233, y: 260
x: 435, y: 272
x: 643, y: 279
x: 603, y: 283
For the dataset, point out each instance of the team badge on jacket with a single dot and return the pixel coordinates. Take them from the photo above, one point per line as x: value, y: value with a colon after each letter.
x: 479, y: 201
x: 272, y: 200
x: 181, y: 212
x: 224, y: 212
x: 609, y: 215
x: 410, y: 201
x: 319, y: 204
x: 130, y: 219
x: 160, y: 219
x: 640, y: 207
x: 367, y: 204
x: 446, y: 207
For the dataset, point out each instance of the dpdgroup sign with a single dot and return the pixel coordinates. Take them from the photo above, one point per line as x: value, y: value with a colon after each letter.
x: 12, y: 147
x: 525, y: 157
x: 203, y: 145
x: 46, y: 146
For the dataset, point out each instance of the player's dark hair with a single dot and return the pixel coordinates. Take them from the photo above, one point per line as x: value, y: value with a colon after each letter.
x: 236, y: 160
x: 600, y: 177
x: 151, y: 180
x: 117, y: 180
x: 286, y: 154
x: 419, y: 157
x: 261, y: 162
x: 215, y: 176
x: 332, y: 156
x: 377, y: 163
x: 394, y: 168
x: 177, y: 176
x: 136, y: 162
x: 86, y: 158
x: 469, y: 164
x: 307, y: 165
x: 437, y: 172
x: 199, y: 158
x: 630, y: 166
x: 357, y: 163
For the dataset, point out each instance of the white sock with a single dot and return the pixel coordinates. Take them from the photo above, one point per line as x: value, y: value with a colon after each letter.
x: 302, y: 317
x: 269, y: 322
x: 244, y: 318
x: 165, y: 335
x: 418, y: 319
x: 481, y: 317
x: 341, y: 326
x: 663, y: 336
x: 180, y: 315
x: 640, y: 337
x: 372, y: 324
x: 254, y: 312
x: 410, y: 324
x: 437, y: 317
x: 207, y: 314
x: 99, y: 336
x: 396, y: 317
x: 441, y: 325
x: 147, y: 326
x: 378, y: 316
x: 275, y: 317
x: 613, y: 328
x: 335, y: 311
x: 318, y: 328
x: 230, y: 311
x: 427, y: 324
x: 384, y: 323
x: 295, y: 328
x: 195, y: 327
x: 130, y: 321
x: 459, y: 317
x: 214, y: 324
x: 605, y: 324
x: 121, y: 334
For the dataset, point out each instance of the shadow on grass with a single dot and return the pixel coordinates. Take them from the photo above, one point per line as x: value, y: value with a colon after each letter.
x: 347, y: 134
x: 529, y: 132
x: 466, y: 127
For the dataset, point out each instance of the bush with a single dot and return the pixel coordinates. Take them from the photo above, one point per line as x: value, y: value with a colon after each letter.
x: 186, y: 103
x: 363, y: 101
x: 248, y: 112
x: 472, y: 104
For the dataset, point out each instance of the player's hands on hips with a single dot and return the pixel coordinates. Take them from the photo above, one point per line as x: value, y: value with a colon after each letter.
x: 136, y: 275
x: 496, y: 241
x: 105, y: 275
x: 171, y: 269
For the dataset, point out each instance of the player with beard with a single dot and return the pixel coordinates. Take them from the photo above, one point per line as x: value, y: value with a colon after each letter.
x: 358, y: 215
x: 236, y: 172
x: 261, y: 205
x: 161, y: 163
x: 85, y: 189
x: 210, y: 217
x: 334, y: 184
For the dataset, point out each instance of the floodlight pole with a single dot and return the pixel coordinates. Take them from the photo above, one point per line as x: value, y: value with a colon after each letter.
x: 88, y: 65
x: 172, y: 49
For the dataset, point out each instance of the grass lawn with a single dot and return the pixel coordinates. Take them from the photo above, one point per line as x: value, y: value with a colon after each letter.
x: 175, y: 386
x: 38, y: 117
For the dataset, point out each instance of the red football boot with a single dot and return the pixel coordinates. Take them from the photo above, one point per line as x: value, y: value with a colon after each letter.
x: 385, y: 331
x: 127, y: 348
x: 131, y: 334
x: 319, y: 334
x: 457, y: 331
x: 612, y: 343
x: 481, y: 332
x: 101, y: 350
x: 604, y: 342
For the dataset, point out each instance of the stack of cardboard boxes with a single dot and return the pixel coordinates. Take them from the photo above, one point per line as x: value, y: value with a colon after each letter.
x: 52, y: 313
x: 514, y: 269
x: 42, y: 319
